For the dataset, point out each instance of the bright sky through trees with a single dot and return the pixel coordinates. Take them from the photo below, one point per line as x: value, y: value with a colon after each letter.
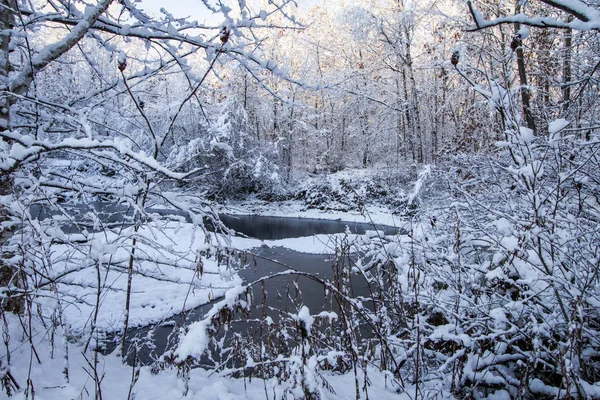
x: 181, y: 8
x: 196, y: 9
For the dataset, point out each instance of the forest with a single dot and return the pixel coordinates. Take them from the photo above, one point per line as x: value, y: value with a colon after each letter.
x: 300, y: 199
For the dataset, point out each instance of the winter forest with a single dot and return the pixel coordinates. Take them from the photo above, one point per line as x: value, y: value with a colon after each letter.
x: 300, y: 199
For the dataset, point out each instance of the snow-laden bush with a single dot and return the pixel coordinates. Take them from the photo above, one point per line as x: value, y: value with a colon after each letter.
x: 236, y: 164
x: 402, y: 190
x: 499, y: 291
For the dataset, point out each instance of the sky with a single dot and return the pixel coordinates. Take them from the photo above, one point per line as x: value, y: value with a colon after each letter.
x: 196, y: 9
x: 181, y: 8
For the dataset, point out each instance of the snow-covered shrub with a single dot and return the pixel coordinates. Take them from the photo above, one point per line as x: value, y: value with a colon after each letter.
x: 499, y: 291
x: 402, y: 190
x: 236, y: 164
x: 322, y: 196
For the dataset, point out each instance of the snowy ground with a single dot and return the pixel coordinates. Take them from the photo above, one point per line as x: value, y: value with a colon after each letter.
x: 50, y: 382
x: 168, y: 280
x: 163, y: 285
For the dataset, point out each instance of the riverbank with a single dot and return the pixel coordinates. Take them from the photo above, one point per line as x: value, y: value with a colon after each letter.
x: 354, y: 195
x: 371, y: 214
x: 181, y: 273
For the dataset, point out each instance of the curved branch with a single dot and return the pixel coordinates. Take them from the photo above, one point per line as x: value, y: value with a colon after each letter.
x: 588, y: 18
x: 21, y: 82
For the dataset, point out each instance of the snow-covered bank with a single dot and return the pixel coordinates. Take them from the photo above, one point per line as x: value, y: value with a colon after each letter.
x: 171, y: 275
x: 176, y: 272
x: 296, y: 209
x: 353, y: 195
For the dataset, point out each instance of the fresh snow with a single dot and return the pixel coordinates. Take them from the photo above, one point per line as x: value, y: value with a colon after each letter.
x: 164, y: 285
x: 317, y: 244
x: 51, y: 384
x: 305, y: 318
x: 554, y: 131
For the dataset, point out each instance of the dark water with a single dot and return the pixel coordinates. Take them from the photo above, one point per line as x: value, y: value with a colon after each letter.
x: 282, y: 293
x: 273, y: 228
x: 98, y: 215
x: 286, y: 293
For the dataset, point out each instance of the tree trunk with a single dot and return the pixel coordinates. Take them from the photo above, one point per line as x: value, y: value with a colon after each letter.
x: 9, y: 276
x: 408, y: 117
x: 525, y: 93
x: 7, y: 22
x: 567, y: 73
x: 524, y: 89
x: 416, y: 128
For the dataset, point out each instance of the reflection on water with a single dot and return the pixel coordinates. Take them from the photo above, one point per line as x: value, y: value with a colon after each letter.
x: 281, y: 293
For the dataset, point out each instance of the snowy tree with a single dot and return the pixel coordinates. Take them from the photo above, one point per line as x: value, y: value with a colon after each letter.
x: 120, y: 134
x: 86, y: 129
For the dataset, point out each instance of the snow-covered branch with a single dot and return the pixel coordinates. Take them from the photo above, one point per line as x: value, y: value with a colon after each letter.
x: 25, y: 148
x: 21, y: 82
x: 588, y: 18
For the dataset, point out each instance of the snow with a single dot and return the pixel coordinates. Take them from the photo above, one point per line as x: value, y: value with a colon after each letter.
x: 525, y: 135
x: 316, y: 244
x: 164, y: 285
x: 523, y: 33
x: 590, y: 13
x: 554, y: 129
x: 50, y: 383
x: 305, y: 319
x: 499, y: 395
x: 161, y: 289
x: 496, y: 273
x: 328, y: 314
x: 195, y: 342
x: 35, y: 147
x: 537, y: 386
x: 504, y: 226
x: 423, y: 175
x: 446, y: 332
x: 223, y: 147
x: 122, y: 58
x: 499, y: 317
x: 509, y: 243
